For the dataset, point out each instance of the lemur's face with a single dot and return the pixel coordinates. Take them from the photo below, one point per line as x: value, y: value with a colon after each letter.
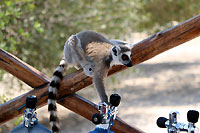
x: 122, y: 55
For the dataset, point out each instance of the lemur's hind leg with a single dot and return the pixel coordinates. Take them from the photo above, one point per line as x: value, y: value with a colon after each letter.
x: 52, y: 96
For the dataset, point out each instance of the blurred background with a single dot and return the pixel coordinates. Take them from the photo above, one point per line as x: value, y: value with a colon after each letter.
x: 35, y: 31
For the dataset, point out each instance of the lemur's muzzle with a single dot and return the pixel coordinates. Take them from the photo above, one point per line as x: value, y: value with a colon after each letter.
x: 130, y: 64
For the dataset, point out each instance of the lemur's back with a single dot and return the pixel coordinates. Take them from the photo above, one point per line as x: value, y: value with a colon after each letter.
x: 97, y: 51
x: 95, y: 45
x: 87, y: 37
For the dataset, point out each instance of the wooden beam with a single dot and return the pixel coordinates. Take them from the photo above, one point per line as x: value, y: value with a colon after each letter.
x: 86, y: 109
x: 22, y: 70
x: 144, y: 50
x: 167, y: 39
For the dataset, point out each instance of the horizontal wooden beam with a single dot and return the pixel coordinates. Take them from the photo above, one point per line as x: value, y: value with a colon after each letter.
x: 144, y: 50
x: 86, y: 109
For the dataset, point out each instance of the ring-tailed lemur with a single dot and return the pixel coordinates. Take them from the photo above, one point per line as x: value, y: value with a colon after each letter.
x: 95, y: 54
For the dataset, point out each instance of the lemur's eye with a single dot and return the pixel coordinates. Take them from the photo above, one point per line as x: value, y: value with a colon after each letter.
x: 125, y: 57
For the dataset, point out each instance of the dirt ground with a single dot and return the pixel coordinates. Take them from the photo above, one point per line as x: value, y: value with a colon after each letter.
x: 169, y: 81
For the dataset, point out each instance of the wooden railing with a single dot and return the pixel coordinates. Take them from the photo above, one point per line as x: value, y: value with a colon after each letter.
x: 76, y: 81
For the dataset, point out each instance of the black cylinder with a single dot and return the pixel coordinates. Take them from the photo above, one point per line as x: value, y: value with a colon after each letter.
x: 161, y: 122
x: 97, y: 118
x: 31, y: 102
x: 115, y: 100
x: 193, y: 116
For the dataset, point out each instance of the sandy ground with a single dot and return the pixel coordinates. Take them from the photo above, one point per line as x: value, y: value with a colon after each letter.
x: 169, y: 81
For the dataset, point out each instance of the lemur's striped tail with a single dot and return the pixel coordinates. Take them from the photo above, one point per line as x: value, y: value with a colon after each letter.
x: 53, y: 88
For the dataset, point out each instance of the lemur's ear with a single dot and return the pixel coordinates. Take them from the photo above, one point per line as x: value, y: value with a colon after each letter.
x: 116, y: 50
x: 130, y: 45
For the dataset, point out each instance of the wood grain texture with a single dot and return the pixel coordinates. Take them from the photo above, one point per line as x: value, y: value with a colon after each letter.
x: 142, y: 51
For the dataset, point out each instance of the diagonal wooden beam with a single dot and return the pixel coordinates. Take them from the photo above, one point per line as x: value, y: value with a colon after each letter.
x: 144, y: 50
x: 22, y: 70
x: 167, y: 39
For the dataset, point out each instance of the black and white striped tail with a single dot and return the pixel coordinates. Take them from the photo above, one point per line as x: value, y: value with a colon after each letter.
x: 53, y: 88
